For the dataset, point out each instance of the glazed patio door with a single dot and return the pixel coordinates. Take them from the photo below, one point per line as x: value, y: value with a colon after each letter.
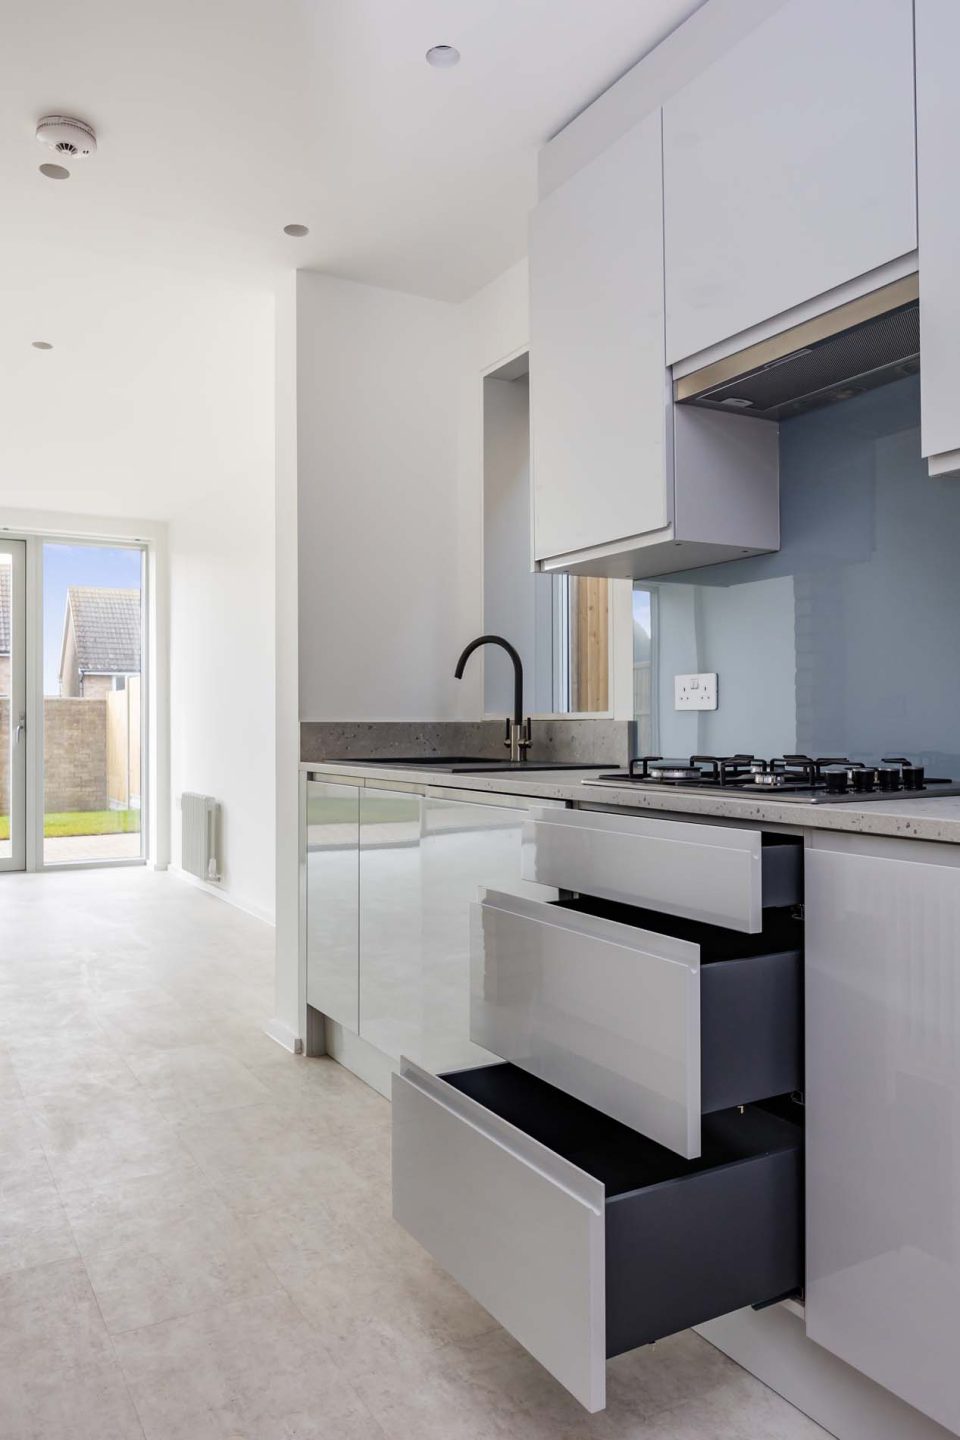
x: 13, y: 705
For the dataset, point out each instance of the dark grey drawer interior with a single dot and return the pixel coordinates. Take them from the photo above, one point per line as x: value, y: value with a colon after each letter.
x: 751, y: 1000
x: 686, y: 1240
x: 781, y: 867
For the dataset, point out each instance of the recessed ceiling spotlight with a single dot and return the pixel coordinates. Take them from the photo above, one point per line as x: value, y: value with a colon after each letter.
x: 55, y: 172
x: 41, y: 344
x: 443, y: 56
x: 298, y: 231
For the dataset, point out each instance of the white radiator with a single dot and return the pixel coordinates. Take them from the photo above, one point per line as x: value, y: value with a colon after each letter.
x: 200, y: 835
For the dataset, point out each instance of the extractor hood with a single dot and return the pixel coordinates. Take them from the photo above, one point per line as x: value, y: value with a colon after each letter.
x: 858, y: 346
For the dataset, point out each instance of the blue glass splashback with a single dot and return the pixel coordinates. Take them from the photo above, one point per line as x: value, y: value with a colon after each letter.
x: 847, y: 640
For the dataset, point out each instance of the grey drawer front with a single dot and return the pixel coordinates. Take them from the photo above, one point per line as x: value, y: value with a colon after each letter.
x: 717, y: 874
x: 517, y: 1226
x: 579, y: 1266
x: 630, y: 1019
x: 604, y: 1011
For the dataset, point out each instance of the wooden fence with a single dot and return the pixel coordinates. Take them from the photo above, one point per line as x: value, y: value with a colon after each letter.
x: 123, y: 746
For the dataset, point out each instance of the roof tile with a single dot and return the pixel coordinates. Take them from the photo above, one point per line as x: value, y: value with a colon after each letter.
x: 107, y: 628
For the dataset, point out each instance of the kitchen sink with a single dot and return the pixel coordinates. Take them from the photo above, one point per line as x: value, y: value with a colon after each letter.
x: 432, y: 762
x: 521, y: 765
x: 467, y: 765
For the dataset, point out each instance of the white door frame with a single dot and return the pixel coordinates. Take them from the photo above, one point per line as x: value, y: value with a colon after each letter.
x: 17, y: 551
x: 27, y: 702
x: 35, y: 773
x: 35, y: 526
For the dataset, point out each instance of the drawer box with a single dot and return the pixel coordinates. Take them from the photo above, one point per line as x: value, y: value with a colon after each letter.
x: 582, y: 1238
x: 651, y: 1019
x: 715, y: 873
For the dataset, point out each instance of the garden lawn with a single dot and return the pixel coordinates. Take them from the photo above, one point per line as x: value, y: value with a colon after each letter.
x: 83, y: 822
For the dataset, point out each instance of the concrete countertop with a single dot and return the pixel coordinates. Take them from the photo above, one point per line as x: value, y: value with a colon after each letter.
x: 934, y: 819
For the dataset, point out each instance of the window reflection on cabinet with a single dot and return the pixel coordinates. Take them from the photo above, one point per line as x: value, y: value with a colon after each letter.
x: 466, y: 846
x: 333, y: 817
x: 390, y: 858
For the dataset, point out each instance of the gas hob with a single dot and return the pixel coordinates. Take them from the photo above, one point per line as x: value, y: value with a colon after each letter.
x: 826, y: 780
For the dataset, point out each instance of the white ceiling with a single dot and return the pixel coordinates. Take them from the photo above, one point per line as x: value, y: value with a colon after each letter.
x: 219, y: 122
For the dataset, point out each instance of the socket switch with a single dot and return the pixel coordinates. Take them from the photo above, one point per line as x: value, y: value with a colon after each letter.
x: 695, y: 692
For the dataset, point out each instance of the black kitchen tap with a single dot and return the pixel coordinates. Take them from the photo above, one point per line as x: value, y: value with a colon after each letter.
x: 518, y: 736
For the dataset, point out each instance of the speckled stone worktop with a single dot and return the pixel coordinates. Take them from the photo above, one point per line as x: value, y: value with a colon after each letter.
x: 935, y: 819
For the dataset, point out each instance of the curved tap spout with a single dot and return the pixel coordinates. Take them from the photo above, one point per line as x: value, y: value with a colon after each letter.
x: 517, y: 669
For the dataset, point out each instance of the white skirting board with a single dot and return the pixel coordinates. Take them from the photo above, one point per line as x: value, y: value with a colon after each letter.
x: 228, y: 897
x: 772, y: 1344
x: 276, y: 1030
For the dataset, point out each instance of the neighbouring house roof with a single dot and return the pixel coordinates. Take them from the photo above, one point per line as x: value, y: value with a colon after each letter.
x: 106, y: 628
x: 4, y: 610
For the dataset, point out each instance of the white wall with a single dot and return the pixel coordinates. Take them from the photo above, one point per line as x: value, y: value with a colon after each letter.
x: 221, y: 684
x: 377, y: 375
x: 390, y: 480
x: 222, y: 623
x: 493, y: 326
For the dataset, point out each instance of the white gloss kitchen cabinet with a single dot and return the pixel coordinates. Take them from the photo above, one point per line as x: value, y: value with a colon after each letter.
x: 598, y: 383
x: 390, y: 919
x: 466, y: 845
x: 332, y: 823
x: 390, y: 877
x: 883, y: 1112
x: 938, y: 123
x: 624, y: 483
x: 789, y: 167
x: 423, y: 859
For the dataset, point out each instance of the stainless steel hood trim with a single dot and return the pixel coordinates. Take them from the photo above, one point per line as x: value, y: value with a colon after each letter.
x: 809, y: 332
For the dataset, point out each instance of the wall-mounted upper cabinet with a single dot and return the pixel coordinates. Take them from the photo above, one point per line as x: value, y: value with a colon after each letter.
x: 624, y: 484
x: 789, y: 167
x: 598, y: 382
x: 938, y: 124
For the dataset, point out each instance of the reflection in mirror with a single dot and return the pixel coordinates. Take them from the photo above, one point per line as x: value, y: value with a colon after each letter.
x: 643, y: 676
x: 560, y: 624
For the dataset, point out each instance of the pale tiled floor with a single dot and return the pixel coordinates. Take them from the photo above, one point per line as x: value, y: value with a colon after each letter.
x: 195, y: 1238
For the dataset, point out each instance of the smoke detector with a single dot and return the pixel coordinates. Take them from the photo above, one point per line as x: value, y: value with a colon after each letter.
x: 67, y: 136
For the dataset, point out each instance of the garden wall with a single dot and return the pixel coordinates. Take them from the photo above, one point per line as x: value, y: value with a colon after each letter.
x: 74, y: 755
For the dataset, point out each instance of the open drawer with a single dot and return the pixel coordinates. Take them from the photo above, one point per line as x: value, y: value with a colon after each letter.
x: 582, y: 1238
x: 651, y: 1019
x: 715, y: 873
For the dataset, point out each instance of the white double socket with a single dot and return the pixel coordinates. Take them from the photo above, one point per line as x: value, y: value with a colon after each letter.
x: 695, y: 692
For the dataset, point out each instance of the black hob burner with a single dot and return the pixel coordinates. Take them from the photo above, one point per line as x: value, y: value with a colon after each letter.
x: 821, y: 780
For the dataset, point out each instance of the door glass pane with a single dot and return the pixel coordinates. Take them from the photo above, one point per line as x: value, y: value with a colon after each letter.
x: 92, y: 721
x: 6, y: 730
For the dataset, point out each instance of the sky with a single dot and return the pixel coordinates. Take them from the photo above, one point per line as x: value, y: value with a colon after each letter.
x: 63, y: 565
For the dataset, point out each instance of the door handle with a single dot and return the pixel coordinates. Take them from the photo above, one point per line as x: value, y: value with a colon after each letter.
x: 21, y: 728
